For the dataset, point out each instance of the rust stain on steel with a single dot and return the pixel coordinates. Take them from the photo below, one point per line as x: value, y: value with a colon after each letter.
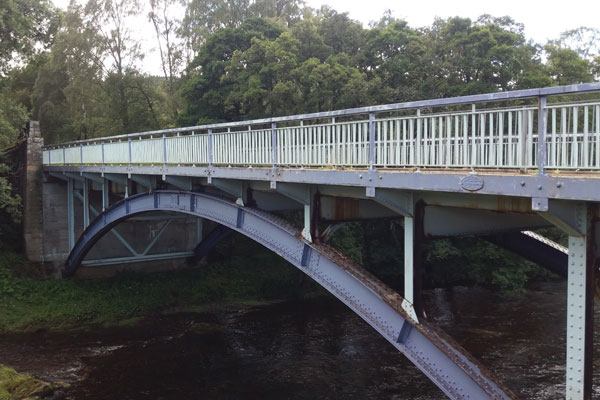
x: 442, y: 340
x: 514, y: 204
x: 340, y: 209
x: 502, y: 203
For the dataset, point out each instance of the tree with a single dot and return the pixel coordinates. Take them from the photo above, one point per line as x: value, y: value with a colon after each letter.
x: 110, y: 20
x: 204, y: 92
x: 170, y: 49
x: 566, y: 67
x: 584, y: 40
x: 204, y: 17
x: 26, y: 26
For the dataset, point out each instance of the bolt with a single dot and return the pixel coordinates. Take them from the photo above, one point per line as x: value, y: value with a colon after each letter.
x: 380, y: 177
x: 539, y: 187
x: 559, y: 184
x: 522, y: 183
x: 360, y: 177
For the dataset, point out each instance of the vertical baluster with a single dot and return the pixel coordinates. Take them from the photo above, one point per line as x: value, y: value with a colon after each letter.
x: 465, y: 155
x: 309, y: 145
x: 440, y: 148
x: 372, y: 133
x: 553, y: 150
x: 500, y: 161
x: 418, y: 143
x: 597, y: 136
x: 411, y: 135
x: 424, y: 143
x: 520, y: 138
x: 563, y: 136
x: 585, y: 137
x: 482, y: 144
x: 379, y: 143
x: 405, y: 152
x: 397, y: 161
x: 448, y: 139
x: 492, y: 142
x: 456, y: 148
x: 575, y: 146
x: 473, y: 136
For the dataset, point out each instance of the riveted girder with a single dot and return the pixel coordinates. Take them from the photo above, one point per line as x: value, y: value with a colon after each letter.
x: 443, y: 361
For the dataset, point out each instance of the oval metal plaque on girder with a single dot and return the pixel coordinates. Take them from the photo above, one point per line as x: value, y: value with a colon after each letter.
x: 472, y: 183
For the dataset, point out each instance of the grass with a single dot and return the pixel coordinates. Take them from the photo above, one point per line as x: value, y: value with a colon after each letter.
x: 16, y: 386
x: 28, y: 305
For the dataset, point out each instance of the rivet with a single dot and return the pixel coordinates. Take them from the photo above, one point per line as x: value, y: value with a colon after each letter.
x: 522, y: 183
x: 559, y: 184
x: 360, y: 177
x: 539, y: 187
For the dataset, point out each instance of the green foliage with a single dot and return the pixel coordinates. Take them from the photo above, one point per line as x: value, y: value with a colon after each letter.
x: 10, y: 209
x: 468, y: 261
x: 25, y: 25
x: 16, y: 386
x: 246, y: 277
x: 12, y: 117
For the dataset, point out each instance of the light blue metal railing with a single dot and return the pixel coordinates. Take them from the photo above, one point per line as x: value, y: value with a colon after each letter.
x: 431, y: 133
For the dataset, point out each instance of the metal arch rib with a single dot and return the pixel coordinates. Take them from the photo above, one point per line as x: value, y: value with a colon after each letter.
x: 443, y: 361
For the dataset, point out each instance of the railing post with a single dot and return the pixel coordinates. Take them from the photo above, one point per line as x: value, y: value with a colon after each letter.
x: 210, y: 153
x: 542, y: 127
x: 102, y: 144
x: 372, y: 141
x: 129, y: 145
x: 81, y: 153
x: 164, y: 140
x: 274, y: 143
x: 64, y: 156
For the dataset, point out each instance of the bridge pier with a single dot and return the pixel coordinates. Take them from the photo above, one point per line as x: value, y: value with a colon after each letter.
x: 31, y: 190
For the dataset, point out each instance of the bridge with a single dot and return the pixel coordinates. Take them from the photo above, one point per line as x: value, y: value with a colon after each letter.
x: 499, y: 165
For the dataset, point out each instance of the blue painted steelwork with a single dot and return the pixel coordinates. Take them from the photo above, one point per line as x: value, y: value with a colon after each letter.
x: 443, y: 361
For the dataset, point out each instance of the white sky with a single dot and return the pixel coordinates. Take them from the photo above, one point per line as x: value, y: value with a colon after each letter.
x: 543, y: 20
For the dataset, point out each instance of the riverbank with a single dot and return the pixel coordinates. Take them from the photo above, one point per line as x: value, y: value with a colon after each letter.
x: 31, y: 305
x: 14, y: 385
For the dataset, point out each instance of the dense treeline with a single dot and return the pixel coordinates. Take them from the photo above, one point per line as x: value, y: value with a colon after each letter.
x: 81, y: 73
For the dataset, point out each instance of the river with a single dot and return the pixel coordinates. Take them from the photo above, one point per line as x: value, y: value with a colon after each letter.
x: 306, y: 349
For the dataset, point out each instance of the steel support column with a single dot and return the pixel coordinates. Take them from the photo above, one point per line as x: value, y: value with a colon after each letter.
x: 199, y: 228
x: 127, y: 188
x: 71, y: 213
x: 413, y: 241
x: 580, y: 313
x: 86, y: 203
x: 105, y: 194
x: 303, y: 194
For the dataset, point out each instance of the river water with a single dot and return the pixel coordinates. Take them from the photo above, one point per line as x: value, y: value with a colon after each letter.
x: 307, y: 349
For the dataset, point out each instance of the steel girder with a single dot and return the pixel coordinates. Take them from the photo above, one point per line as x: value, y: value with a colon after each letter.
x: 434, y: 353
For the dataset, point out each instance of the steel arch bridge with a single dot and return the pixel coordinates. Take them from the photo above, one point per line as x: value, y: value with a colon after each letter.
x: 495, y: 165
x: 435, y: 354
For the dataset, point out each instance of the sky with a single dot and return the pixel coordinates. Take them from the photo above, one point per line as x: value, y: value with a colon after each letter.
x: 542, y: 20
